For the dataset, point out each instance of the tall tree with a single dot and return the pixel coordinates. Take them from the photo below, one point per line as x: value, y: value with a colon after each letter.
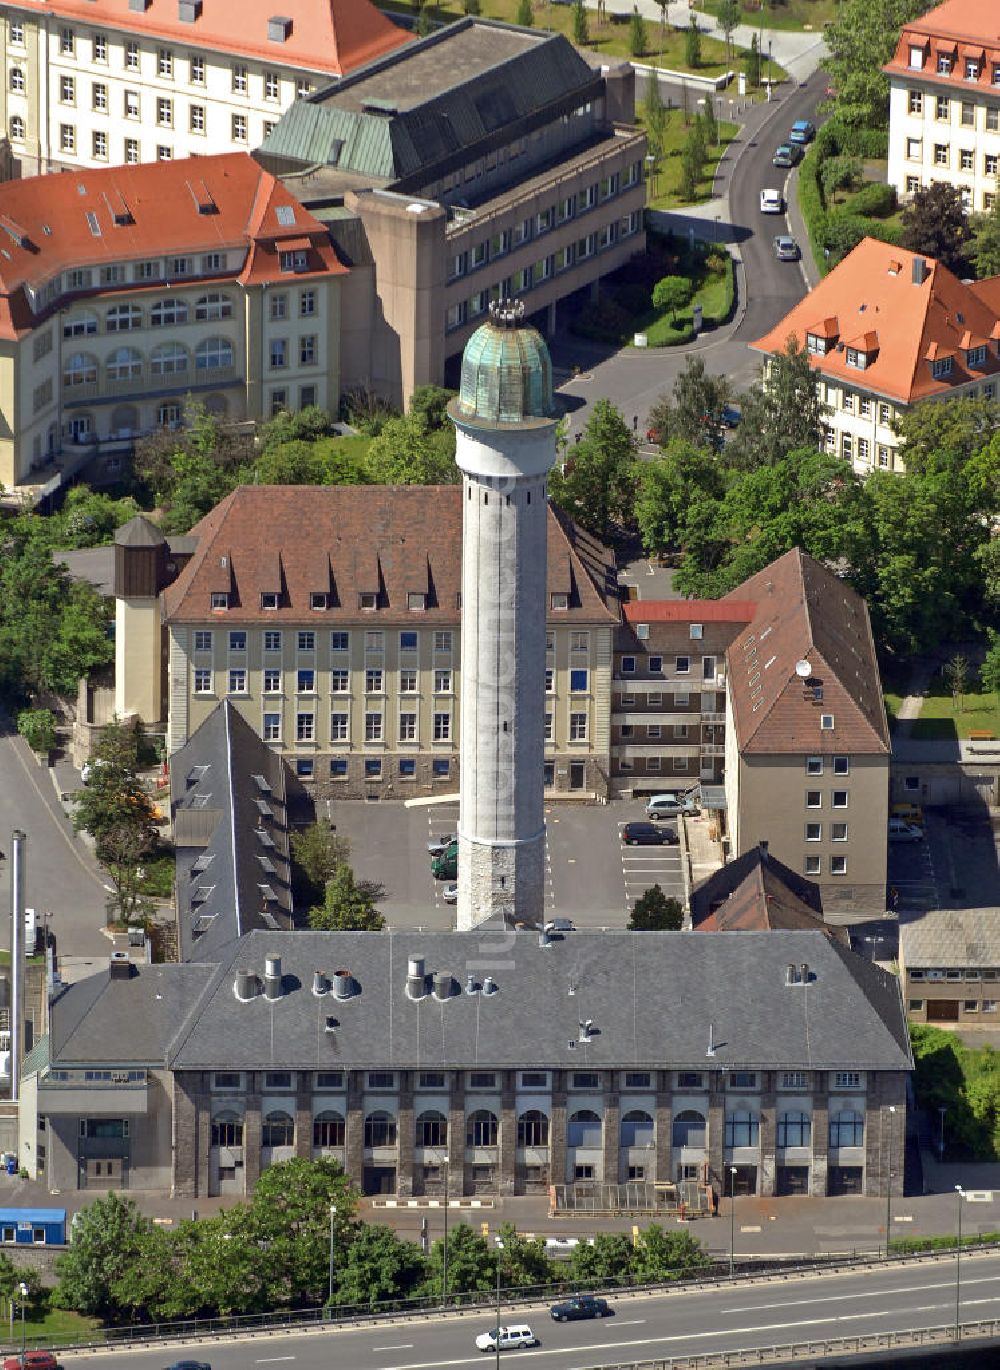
x: 669, y: 490
x: 727, y: 16
x: 672, y: 293
x: 661, y: 1255
x: 317, y: 851
x: 471, y: 1267
x: 984, y: 249
x: 108, y: 1239
x: 581, y: 32
x: 945, y: 435
x: 654, y: 911
x: 599, y: 478
x: 290, y: 1214
x: 637, y: 40
x: 934, y: 223
x: 956, y: 673
x: 989, y: 671
x: 377, y: 1268
x: 525, y: 14
x: 781, y: 412
x: 692, y: 45
x: 751, y: 62
x: 861, y: 38
x: 525, y: 1262
x: 699, y: 403
x: 604, y: 1261
x: 348, y: 905
x: 408, y: 452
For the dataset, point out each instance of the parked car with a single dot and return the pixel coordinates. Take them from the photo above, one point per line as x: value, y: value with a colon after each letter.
x: 771, y: 202
x: 445, y: 865
x: 510, y: 1338
x: 560, y: 925
x: 580, y: 1306
x: 648, y: 835
x: 190, y: 1365
x: 450, y: 894
x: 912, y: 813
x: 731, y: 416
x: 438, y: 844
x: 670, y: 805
x: 901, y: 831
x: 787, y: 155
x: 34, y: 1360
x: 802, y: 132
x: 786, y: 249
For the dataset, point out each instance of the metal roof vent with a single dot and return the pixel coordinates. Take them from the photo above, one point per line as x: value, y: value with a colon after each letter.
x: 443, y: 985
x: 321, y: 985
x: 120, y: 967
x: 279, y: 29
x: 416, y: 980
x: 919, y: 271
x: 245, y: 986
x: 490, y: 986
x: 791, y: 974
x: 544, y: 940
x: 272, y: 977
x: 188, y: 11
x: 805, y: 973
x: 344, y: 985
x: 471, y: 985
x: 586, y: 1029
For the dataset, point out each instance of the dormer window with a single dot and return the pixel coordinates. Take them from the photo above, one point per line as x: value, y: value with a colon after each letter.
x: 857, y: 358
x: 916, y: 58
x: 268, y: 599
x: 826, y: 722
x: 220, y: 599
x: 976, y: 356
x: 297, y: 260
x: 559, y: 601
x: 318, y: 599
x: 971, y: 69
x: 941, y: 368
x: 817, y: 345
x: 945, y: 62
x: 416, y: 601
x: 368, y: 600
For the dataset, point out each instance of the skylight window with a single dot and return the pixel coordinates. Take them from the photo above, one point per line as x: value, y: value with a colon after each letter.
x: 285, y: 215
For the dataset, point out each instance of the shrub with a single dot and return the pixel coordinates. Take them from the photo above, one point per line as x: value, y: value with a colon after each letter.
x: 38, y: 728
x: 875, y: 200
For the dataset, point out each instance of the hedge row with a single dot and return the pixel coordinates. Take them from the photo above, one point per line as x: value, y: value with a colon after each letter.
x: 833, y: 233
x: 905, y: 1246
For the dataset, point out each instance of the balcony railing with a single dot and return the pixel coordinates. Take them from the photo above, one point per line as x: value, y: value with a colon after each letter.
x: 177, y: 383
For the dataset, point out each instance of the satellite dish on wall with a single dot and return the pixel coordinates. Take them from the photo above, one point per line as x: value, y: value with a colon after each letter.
x: 803, y: 669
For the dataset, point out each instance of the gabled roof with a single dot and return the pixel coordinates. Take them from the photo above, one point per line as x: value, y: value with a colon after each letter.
x: 874, y: 301
x: 758, y: 893
x: 952, y: 937
x: 328, y: 36
x: 228, y: 799
x: 961, y: 28
x: 687, y: 611
x: 804, y: 613
x: 377, y: 538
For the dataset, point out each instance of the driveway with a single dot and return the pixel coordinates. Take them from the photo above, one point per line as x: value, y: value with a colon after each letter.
x: 589, y: 876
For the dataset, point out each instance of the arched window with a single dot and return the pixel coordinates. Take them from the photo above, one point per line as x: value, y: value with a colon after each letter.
x: 432, y: 1129
x: 227, y: 1130
x: 847, y: 1128
x: 794, y: 1129
x: 168, y: 359
x: 214, y: 305
x: 278, y: 1129
x: 124, y: 421
x: 481, y: 1128
x: 122, y: 318
x: 328, y: 1129
x: 533, y: 1128
x: 16, y: 127
x: 689, y: 1128
x: 742, y: 1128
x: 584, y: 1129
x: 380, y: 1129
x: 124, y: 364
x: 213, y: 353
x: 80, y: 325
x: 167, y: 312
x: 80, y: 369
x: 637, y: 1128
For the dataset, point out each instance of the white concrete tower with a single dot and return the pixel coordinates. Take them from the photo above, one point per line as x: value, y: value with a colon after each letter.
x: 506, y: 444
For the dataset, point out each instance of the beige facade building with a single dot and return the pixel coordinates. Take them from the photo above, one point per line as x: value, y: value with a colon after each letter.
x: 125, y: 291
x: 944, y: 103
x: 949, y: 961
x: 95, y: 83
x: 338, y: 636
x: 885, y: 330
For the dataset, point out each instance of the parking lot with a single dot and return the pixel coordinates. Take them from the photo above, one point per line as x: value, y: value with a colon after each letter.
x: 589, y: 875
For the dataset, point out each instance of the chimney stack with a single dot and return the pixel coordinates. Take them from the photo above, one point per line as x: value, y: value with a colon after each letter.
x: 442, y: 984
x: 919, y: 271
x: 321, y: 984
x: 416, y: 983
x: 343, y: 984
x: 272, y: 977
x: 245, y: 987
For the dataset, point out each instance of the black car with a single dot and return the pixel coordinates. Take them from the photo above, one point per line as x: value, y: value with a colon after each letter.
x: 648, y: 835
x: 190, y: 1365
x: 579, y: 1307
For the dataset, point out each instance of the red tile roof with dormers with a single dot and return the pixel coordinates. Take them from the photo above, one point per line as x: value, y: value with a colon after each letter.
x: 871, y: 302
x: 52, y: 224
x: 330, y: 36
x: 961, y: 30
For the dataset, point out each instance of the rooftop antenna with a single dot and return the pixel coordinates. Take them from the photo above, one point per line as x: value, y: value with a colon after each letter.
x: 803, y: 669
x: 711, y: 1040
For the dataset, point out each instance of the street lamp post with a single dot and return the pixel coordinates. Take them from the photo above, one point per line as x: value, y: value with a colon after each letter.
x: 444, y: 1256
x: 22, y: 1289
x: 732, y: 1222
x: 941, y: 1112
x: 333, y: 1214
x: 888, y: 1181
x: 958, y: 1266
x: 499, y: 1264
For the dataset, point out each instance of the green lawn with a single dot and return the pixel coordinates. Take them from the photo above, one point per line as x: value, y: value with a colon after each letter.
x: 664, y: 185
x: 56, y: 1325
x: 609, y: 38
x: 941, y: 718
x: 788, y: 15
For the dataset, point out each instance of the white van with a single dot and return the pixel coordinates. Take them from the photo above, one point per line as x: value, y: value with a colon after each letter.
x: 670, y: 805
x: 511, y: 1338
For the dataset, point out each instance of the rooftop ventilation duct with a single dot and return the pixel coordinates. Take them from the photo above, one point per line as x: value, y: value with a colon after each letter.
x: 918, y: 271
x: 804, y: 973
x: 245, y: 987
x: 490, y: 985
x: 416, y: 980
x: 544, y: 940
x: 791, y: 974
x: 344, y: 984
x: 120, y: 967
x: 443, y: 984
x: 272, y: 977
x: 471, y: 985
x: 321, y: 984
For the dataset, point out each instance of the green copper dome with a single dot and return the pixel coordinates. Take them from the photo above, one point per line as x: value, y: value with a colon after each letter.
x: 506, y: 371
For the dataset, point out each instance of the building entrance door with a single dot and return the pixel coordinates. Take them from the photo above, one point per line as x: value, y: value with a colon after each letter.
x: 577, y: 775
x: 942, y: 1010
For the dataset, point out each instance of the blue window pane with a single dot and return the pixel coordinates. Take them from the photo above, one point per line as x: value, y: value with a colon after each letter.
x: 304, y: 766
x: 373, y: 766
x: 338, y: 765
x: 441, y: 766
x: 408, y: 766
x: 408, y: 642
x: 577, y: 680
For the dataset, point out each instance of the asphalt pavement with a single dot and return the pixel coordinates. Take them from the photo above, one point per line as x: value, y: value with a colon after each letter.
x: 683, y: 1321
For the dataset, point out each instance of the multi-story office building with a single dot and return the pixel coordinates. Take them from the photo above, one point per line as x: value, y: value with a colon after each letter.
x: 91, y: 83
x: 331, y: 618
x: 668, y: 707
x: 483, y: 162
x: 944, y: 103
x: 125, y: 290
x: 807, y: 744
x: 403, y: 1057
x: 885, y: 330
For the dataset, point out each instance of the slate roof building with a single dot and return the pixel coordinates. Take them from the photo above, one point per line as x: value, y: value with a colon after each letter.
x: 780, y: 1053
x: 884, y: 330
x: 757, y: 893
x: 949, y: 962
x: 480, y: 163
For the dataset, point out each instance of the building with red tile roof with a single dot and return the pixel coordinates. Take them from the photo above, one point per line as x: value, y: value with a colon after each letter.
x: 758, y: 893
x: 186, y: 76
x: 124, y: 290
x: 884, y: 330
x: 944, y: 102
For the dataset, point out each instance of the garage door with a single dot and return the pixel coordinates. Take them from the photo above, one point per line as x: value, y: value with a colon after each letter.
x: 942, y: 1010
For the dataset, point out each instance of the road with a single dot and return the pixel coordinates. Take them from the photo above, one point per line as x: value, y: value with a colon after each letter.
x: 681, y: 1323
